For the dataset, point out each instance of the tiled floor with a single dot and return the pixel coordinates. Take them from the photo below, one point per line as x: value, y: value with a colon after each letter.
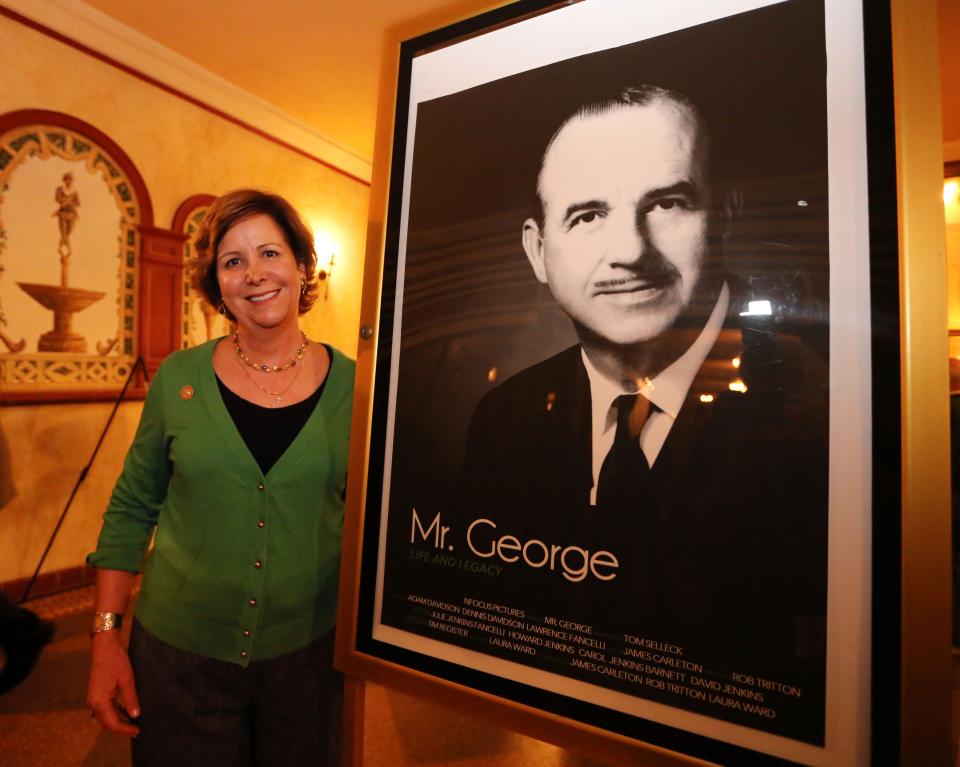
x: 45, y: 721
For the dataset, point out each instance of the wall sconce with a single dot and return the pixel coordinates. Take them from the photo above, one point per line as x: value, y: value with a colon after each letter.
x: 326, y: 251
x: 325, y: 272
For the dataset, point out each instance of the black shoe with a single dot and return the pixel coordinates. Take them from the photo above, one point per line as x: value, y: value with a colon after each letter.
x: 23, y: 651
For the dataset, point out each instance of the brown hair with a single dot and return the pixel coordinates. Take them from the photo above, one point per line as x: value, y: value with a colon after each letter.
x: 230, y: 209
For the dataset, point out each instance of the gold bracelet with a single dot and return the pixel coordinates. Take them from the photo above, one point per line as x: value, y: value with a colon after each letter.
x: 105, y: 622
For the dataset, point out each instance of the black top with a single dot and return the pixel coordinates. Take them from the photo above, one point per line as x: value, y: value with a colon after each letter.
x: 268, y: 431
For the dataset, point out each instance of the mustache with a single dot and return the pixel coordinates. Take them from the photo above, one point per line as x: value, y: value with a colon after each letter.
x: 654, y: 272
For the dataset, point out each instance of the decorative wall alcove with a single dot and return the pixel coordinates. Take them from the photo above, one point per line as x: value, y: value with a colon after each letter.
x: 199, y: 322
x: 81, y: 264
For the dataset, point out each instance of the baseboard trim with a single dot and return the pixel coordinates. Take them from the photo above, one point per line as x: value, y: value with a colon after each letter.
x: 52, y: 582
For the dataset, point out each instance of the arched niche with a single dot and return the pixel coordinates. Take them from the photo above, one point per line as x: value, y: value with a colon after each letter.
x: 198, y: 321
x: 121, y: 262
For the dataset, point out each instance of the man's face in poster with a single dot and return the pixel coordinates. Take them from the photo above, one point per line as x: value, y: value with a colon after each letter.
x: 625, y: 232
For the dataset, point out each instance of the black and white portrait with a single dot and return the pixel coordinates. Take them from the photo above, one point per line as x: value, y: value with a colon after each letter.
x: 607, y: 445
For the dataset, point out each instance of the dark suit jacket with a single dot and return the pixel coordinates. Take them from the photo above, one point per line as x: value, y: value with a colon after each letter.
x: 727, y: 553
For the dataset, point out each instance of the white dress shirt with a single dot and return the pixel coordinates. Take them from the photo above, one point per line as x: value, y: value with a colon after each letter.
x: 667, y: 390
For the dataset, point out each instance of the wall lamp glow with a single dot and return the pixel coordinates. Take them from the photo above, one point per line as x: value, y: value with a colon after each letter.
x: 325, y: 272
x: 326, y: 259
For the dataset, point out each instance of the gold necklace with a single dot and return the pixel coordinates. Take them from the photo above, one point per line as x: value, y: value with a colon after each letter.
x: 297, y: 357
x: 277, y: 394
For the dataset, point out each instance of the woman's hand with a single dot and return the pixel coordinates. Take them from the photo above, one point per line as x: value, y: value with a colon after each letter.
x: 112, y: 694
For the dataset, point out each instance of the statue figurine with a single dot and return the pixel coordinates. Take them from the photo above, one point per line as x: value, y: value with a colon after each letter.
x: 67, y: 201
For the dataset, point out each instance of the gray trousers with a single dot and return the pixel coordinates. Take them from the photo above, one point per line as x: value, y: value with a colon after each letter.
x: 196, y: 710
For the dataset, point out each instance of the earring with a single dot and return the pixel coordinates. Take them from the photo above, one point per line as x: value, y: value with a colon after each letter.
x: 222, y: 309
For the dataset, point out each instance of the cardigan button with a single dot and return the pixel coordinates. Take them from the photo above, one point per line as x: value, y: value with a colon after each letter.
x: 258, y: 564
x: 243, y: 653
x: 260, y: 486
x: 252, y: 602
x: 246, y: 632
x: 261, y: 523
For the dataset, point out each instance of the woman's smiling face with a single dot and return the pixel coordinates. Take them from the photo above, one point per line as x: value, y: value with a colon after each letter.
x: 258, y: 275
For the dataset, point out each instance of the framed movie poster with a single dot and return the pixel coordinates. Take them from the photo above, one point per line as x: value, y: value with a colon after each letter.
x: 619, y: 458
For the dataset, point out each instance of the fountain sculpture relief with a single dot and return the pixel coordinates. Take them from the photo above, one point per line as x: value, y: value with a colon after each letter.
x: 61, y: 299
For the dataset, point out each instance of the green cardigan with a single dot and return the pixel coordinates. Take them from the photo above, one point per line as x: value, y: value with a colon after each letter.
x: 244, y: 565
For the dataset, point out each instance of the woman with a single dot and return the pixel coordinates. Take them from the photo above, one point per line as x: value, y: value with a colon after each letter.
x: 240, y: 463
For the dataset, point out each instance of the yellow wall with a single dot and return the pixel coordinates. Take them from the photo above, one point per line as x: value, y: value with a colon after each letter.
x: 180, y: 150
x: 49, y: 445
x: 951, y: 199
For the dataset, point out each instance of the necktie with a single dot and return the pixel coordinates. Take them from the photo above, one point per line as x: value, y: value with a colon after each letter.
x: 625, y: 468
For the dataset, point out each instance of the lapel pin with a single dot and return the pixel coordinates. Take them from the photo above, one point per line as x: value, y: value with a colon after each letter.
x: 186, y: 392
